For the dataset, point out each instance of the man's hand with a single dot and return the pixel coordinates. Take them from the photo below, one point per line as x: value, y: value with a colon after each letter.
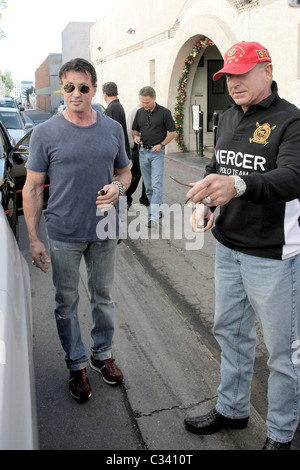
x: 137, y: 139
x: 202, y: 219
x: 156, y: 148
x: 219, y: 189
x: 39, y: 255
x: 107, y: 197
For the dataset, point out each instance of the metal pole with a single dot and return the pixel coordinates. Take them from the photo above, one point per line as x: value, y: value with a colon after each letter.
x: 201, y: 133
x: 215, y: 126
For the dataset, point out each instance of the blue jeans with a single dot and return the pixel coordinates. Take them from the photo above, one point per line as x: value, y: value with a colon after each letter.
x: 152, y: 168
x: 100, y: 263
x: 270, y: 289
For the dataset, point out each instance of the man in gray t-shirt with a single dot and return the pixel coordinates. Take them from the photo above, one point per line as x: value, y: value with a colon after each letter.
x: 82, y: 151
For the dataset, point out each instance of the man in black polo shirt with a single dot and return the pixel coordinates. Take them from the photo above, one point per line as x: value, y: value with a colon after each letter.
x: 115, y: 110
x: 154, y: 128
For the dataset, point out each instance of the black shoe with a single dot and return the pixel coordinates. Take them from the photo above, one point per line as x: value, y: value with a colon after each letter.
x: 144, y: 202
x: 152, y: 224
x: 79, y: 385
x: 213, y: 422
x: 274, y: 445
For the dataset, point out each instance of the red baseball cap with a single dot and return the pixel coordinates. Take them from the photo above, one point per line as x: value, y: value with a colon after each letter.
x: 242, y: 57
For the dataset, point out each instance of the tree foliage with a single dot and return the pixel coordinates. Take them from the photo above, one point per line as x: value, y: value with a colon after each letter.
x: 27, y: 92
x: 8, y: 82
x: 3, y: 5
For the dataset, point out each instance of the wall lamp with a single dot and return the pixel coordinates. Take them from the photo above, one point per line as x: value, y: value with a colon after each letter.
x: 131, y: 31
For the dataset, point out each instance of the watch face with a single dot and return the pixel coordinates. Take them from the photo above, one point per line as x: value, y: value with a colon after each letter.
x: 240, y: 187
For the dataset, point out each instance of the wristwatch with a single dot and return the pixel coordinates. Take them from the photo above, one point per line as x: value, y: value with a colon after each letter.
x: 162, y: 146
x: 121, y: 187
x: 239, y: 186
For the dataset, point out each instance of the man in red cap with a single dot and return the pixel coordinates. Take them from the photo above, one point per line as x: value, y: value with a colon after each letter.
x: 254, y: 178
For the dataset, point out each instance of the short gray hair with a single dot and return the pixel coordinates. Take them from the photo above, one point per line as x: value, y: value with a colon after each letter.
x: 148, y: 91
x: 110, y: 88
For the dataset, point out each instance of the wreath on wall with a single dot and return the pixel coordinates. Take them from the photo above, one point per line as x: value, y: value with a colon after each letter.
x: 181, y: 93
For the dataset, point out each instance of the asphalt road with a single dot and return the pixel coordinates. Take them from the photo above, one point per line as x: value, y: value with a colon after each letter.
x: 164, y: 297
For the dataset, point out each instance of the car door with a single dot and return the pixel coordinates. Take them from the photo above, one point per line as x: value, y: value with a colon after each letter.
x: 18, y: 157
x: 8, y: 193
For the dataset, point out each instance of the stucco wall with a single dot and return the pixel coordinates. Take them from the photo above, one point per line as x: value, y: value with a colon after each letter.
x: 166, y: 30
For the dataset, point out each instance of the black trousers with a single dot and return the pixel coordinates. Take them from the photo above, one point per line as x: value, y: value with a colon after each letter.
x: 136, y: 176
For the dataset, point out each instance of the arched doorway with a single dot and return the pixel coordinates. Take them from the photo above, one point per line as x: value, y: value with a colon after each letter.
x: 192, y: 84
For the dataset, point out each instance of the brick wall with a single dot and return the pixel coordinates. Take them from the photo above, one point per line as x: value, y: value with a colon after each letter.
x: 42, y: 82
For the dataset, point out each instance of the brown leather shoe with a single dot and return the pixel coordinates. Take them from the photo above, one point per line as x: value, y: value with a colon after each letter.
x: 213, y: 422
x: 110, y: 372
x: 274, y: 445
x: 79, y: 385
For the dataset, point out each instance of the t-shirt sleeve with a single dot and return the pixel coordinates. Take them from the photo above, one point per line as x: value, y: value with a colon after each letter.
x: 38, y: 159
x: 121, y: 160
x: 169, y: 121
x: 135, y: 124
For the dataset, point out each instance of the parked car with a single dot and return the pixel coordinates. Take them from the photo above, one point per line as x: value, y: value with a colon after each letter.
x: 8, y: 102
x: 14, y: 123
x: 18, y: 411
x: 13, y: 175
x: 96, y: 106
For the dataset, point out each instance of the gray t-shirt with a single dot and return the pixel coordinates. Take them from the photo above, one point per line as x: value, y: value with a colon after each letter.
x: 79, y: 162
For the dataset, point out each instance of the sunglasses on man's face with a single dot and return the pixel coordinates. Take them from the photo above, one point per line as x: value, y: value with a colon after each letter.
x: 69, y: 88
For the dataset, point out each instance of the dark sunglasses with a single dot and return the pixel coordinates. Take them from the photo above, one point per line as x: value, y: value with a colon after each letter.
x: 69, y: 87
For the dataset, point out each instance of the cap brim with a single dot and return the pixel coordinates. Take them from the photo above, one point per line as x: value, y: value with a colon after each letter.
x: 233, y: 70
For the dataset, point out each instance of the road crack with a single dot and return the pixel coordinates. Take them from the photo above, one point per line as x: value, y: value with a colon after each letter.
x: 138, y: 415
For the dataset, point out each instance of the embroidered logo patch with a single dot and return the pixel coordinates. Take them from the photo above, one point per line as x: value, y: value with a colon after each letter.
x: 262, y: 133
x: 263, y: 54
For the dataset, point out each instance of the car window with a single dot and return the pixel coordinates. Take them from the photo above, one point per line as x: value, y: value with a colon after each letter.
x: 10, y: 120
x: 23, y: 144
x: 3, y: 145
x: 7, y: 103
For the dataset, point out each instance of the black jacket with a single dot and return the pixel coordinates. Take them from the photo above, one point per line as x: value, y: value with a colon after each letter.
x: 262, y: 146
x: 116, y: 111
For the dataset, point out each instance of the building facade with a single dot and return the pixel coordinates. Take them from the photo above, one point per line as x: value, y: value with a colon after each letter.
x: 47, y: 82
x: 76, y: 41
x: 177, y: 45
x: 16, y: 92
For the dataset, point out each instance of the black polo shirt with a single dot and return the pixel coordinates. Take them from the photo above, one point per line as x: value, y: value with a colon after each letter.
x: 116, y: 111
x: 154, y: 125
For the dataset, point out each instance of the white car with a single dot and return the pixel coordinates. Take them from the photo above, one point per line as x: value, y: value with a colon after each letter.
x: 14, y: 123
x: 9, y: 102
x: 18, y: 413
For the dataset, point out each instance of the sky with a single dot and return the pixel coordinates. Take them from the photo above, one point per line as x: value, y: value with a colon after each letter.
x: 33, y: 30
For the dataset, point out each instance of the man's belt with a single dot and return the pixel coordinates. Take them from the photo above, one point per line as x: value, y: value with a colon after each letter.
x: 149, y: 147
